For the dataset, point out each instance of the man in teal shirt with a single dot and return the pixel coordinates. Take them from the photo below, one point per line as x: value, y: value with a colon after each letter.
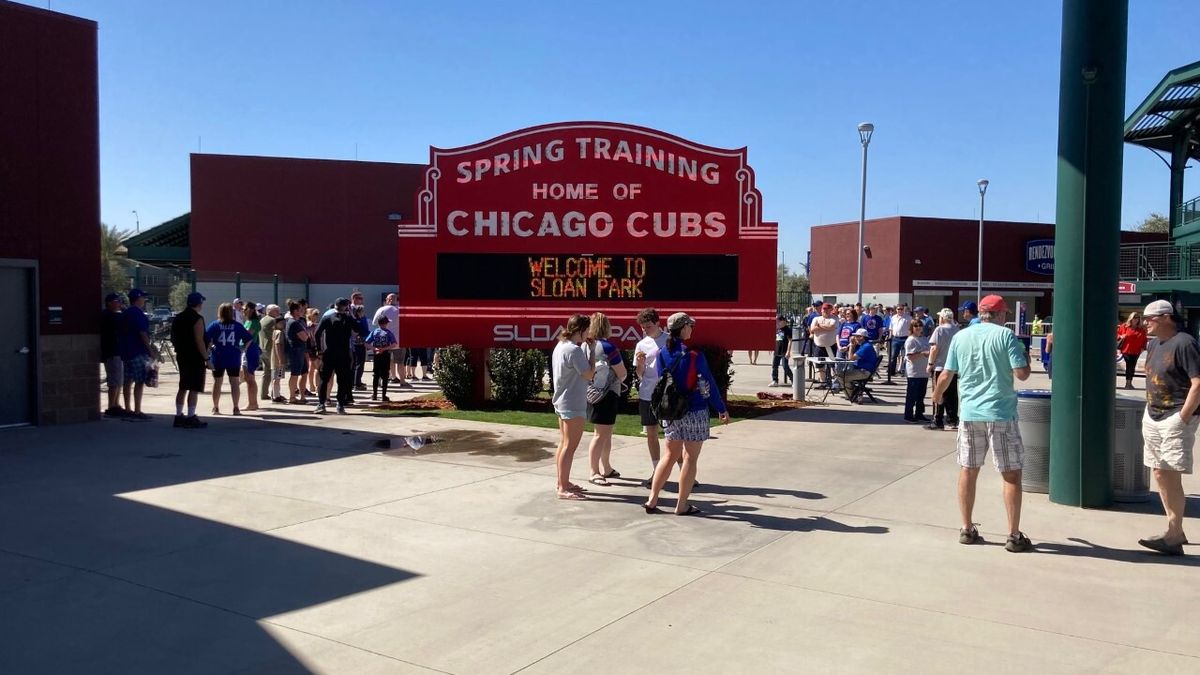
x: 984, y: 360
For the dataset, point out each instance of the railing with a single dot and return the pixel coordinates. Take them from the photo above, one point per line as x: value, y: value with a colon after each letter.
x: 1189, y: 212
x: 1160, y: 261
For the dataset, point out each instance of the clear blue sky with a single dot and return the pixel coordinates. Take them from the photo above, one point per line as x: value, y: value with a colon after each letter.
x: 957, y: 91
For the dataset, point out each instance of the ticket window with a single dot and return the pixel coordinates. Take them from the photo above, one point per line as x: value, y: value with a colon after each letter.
x: 932, y: 301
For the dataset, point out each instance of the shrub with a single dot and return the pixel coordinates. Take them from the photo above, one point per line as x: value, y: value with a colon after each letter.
x: 516, y: 374
x: 720, y: 362
x: 454, y: 375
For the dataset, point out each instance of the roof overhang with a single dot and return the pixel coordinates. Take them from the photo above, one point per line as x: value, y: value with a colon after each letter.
x: 1170, y: 110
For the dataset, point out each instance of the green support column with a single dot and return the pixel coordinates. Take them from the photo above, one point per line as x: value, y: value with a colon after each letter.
x: 1090, y: 126
x: 1179, y: 159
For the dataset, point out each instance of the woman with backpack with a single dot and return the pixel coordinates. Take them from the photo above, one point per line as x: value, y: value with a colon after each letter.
x: 604, y: 397
x: 686, y: 435
x: 572, y: 368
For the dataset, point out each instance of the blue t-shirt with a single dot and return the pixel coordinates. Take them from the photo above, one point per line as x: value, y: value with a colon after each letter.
x: 866, y: 357
x: 873, y: 326
x: 984, y: 358
x: 381, y: 338
x: 135, y: 322
x: 974, y: 321
x: 845, y: 331
x: 227, y: 340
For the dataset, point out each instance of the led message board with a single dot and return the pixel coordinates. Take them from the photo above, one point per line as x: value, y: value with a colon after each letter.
x: 511, y: 236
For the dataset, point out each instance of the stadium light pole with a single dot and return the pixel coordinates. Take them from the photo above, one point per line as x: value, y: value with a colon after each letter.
x: 864, y: 134
x: 982, y: 183
x: 137, y: 220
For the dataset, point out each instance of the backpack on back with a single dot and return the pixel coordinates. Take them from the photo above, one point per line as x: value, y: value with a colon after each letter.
x: 670, y: 398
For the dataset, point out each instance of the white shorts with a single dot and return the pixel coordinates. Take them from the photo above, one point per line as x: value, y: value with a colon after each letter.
x: 1002, y: 438
x: 1167, y: 443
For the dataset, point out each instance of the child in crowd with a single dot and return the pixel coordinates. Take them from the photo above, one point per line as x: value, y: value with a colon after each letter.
x: 381, y: 342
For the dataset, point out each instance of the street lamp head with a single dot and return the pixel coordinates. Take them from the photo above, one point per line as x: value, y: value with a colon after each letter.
x: 982, y: 183
x: 864, y: 132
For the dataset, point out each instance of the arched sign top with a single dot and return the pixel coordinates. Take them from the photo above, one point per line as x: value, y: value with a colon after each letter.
x: 526, y: 228
x: 537, y: 182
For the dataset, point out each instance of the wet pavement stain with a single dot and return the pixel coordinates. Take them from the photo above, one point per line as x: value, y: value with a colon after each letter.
x: 475, y: 443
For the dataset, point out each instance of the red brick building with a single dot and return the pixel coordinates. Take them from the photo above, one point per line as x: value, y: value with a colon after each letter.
x: 49, y: 217
x: 933, y: 261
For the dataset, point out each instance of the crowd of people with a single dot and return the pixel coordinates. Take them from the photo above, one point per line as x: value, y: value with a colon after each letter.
x: 286, y: 355
x: 588, y: 372
x: 971, y: 361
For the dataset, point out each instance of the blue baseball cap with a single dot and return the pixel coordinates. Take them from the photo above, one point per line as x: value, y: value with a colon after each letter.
x: 136, y: 293
x: 970, y: 307
x: 194, y: 299
x: 112, y: 296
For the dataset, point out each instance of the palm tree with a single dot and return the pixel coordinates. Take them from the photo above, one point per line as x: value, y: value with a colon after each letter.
x: 114, y: 265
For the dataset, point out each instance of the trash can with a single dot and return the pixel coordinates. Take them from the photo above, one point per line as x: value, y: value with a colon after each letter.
x: 1033, y: 421
x: 1130, y: 477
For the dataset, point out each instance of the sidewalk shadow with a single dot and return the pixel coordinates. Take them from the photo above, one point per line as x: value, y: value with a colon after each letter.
x: 857, y: 415
x: 750, y: 515
x: 1154, y: 506
x: 764, y: 492
x: 1140, y: 556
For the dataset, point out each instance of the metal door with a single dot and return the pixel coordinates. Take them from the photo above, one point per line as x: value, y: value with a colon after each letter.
x: 17, y: 349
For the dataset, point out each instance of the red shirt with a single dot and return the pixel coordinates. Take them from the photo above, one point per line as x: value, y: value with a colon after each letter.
x: 1135, y: 339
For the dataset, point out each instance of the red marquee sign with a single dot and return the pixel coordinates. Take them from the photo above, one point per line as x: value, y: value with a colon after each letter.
x: 513, y: 235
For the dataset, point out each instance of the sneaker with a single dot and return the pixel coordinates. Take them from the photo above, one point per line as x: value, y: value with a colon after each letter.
x: 952, y: 427
x: 384, y: 398
x: 374, y: 397
x: 115, y: 412
x: 1018, y: 543
x: 970, y: 536
x: 194, y: 422
x: 774, y: 383
x: 934, y: 427
x: 1159, y: 543
x: 922, y: 418
x: 320, y: 409
x: 279, y: 399
x: 394, y: 380
x: 179, y: 420
x: 360, y: 387
x: 341, y: 409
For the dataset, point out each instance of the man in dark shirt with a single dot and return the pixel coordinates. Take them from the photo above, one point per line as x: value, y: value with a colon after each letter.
x: 333, y: 341
x: 191, y: 354
x: 783, y: 351
x: 135, y: 349
x: 1169, y: 425
x: 110, y: 353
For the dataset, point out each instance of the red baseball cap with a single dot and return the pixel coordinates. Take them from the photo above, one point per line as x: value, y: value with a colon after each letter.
x: 993, y: 303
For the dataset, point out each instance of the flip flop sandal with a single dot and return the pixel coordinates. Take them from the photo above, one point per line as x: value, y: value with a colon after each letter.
x: 577, y: 488
x: 651, y: 509
x: 691, y: 511
x: 597, y: 479
x: 572, y: 496
x: 612, y: 474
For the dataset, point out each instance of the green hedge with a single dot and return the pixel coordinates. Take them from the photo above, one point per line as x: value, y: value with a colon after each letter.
x: 516, y: 374
x: 454, y: 375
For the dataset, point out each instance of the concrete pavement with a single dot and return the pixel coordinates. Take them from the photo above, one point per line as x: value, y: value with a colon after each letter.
x: 285, y: 542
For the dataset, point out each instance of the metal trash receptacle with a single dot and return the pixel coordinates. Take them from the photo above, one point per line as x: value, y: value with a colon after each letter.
x: 1033, y: 421
x: 1130, y: 477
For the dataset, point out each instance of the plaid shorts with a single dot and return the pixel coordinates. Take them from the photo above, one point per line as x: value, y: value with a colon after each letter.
x: 691, y: 427
x: 136, y: 369
x: 1002, y: 438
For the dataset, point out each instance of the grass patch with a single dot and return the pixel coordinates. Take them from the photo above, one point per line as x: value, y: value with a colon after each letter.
x: 539, y: 413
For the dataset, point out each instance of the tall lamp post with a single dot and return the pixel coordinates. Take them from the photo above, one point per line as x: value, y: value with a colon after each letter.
x: 137, y: 220
x: 864, y: 134
x: 982, y: 183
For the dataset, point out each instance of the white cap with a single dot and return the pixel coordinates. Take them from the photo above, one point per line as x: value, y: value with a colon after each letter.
x: 1159, y: 308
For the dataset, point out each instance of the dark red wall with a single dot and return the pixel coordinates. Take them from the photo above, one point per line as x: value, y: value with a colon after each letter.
x: 279, y: 215
x: 946, y: 247
x: 50, y: 158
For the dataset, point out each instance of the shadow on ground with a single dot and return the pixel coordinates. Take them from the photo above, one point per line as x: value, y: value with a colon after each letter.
x: 85, y: 564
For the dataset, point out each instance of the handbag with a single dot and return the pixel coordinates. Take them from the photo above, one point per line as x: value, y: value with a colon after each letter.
x: 595, y: 393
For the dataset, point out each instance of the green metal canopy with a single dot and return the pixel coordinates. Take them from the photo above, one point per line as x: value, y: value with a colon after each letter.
x: 165, y: 244
x: 1170, y: 109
